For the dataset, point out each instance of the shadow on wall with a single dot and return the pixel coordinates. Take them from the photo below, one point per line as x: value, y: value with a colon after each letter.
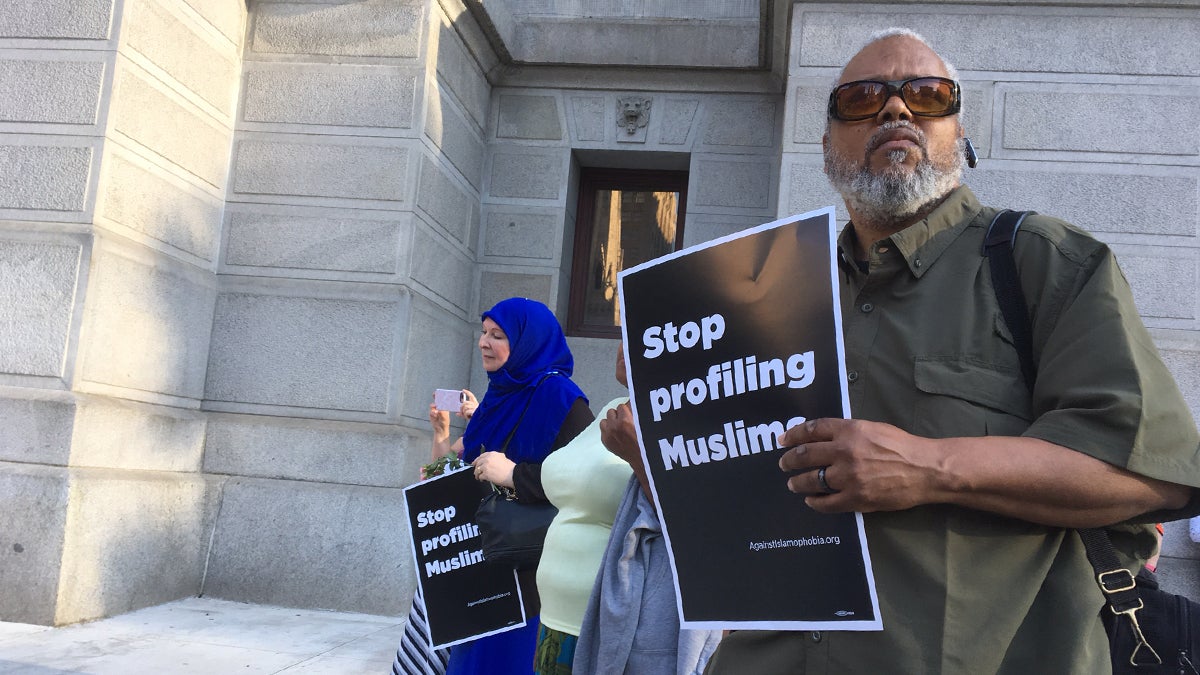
x: 311, y: 545
x: 15, y: 667
x: 132, y: 541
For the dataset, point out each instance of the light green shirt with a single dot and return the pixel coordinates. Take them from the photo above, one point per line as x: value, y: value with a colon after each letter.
x: 964, y: 591
x: 586, y: 482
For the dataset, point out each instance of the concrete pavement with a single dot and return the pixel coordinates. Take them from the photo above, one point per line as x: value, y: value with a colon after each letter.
x: 202, y: 635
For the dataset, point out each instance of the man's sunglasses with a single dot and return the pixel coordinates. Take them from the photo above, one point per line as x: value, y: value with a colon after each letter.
x: 924, y: 96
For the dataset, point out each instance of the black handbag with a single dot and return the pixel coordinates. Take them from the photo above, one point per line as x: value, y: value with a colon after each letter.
x: 1161, y: 631
x: 511, y: 533
x: 1162, y: 636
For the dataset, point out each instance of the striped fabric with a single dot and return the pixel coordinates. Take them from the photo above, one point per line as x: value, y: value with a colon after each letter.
x: 414, y: 657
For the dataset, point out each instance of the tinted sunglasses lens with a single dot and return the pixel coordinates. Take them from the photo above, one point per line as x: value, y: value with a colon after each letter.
x: 929, y: 95
x: 859, y: 100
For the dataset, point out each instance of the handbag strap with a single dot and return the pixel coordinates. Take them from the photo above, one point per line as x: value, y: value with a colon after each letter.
x: 507, y: 492
x: 1115, y: 582
x: 511, y: 433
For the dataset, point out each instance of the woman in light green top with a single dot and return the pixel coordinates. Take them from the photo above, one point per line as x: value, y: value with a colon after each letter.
x: 586, y: 482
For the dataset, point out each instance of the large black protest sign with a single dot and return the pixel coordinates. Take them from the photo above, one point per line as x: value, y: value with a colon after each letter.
x: 728, y: 344
x: 465, y: 597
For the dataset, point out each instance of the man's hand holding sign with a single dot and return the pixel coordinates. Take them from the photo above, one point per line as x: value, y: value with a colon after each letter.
x: 866, y: 466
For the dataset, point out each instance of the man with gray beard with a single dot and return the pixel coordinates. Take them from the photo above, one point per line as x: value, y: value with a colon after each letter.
x: 894, y: 194
x: 972, y: 481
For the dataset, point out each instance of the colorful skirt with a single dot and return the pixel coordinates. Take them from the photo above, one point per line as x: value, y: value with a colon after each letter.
x: 555, y: 652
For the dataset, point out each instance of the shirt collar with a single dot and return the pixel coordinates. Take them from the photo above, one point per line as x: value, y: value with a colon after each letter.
x: 921, y: 243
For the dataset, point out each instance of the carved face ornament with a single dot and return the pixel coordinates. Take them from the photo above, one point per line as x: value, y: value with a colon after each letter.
x: 633, y: 113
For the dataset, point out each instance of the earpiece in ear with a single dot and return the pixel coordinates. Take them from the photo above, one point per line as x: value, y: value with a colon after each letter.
x: 969, y: 151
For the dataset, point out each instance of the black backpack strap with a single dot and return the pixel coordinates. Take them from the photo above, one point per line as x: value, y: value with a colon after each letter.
x: 1115, y: 582
x: 1120, y: 591
x: 998, y: 249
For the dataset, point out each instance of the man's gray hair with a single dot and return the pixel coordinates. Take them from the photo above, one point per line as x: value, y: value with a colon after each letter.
x: 898, y: 31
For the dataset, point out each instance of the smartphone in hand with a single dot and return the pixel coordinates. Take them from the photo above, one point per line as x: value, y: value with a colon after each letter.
x: 449, y: 400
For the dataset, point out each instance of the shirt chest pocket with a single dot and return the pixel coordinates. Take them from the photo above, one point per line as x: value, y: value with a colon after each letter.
x: 965, y: 397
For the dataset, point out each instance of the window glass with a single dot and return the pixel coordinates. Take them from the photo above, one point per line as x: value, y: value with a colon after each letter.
x: 623, y: 221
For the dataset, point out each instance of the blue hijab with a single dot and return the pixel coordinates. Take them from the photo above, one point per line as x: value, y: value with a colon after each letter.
x: 535, y: 381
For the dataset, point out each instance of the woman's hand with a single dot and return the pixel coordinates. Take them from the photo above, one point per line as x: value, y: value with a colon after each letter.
x: 440, y: 421
x: 494, y: 467
x: 469, y: 404
x: 619, y: 436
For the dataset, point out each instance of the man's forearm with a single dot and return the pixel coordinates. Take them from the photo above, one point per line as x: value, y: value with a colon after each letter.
x: 1044, y: 483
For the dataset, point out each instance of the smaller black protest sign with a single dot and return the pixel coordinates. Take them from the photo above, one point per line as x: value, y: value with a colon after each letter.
x: 466, y: 598
x: 728, y: 345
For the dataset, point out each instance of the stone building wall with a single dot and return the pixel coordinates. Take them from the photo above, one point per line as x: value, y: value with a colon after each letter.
x: 542, y: 137
x: 345, y: 284
x: 115, y: 130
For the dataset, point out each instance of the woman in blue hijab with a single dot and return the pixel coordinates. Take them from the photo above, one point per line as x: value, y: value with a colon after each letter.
x: 530, y: 409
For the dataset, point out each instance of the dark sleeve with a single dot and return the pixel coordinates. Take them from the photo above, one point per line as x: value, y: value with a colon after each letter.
x: 527, y: 476
x: 578, y: 419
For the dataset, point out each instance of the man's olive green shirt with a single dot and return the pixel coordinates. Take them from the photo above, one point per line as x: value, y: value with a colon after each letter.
x: 964, y: 591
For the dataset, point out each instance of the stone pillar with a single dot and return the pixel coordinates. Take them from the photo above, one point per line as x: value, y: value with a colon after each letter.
x: 114, y: 140
x: 345, y: 284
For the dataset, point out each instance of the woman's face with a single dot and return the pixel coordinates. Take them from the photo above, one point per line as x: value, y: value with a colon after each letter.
x: 493, y: 346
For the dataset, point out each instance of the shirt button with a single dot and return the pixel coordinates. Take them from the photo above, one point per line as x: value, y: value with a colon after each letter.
x: 852, y: 376
x: 917, y: 262
x: 883, y: 249
x: 816, y: 636
x: 867, y: 307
